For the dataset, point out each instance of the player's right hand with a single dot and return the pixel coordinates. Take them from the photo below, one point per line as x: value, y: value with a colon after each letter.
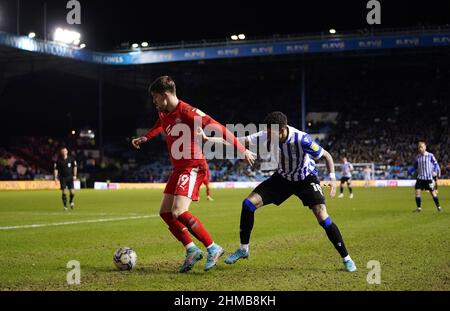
x: 250, y: 157
x: 332, y: 185
x: 137, y: 141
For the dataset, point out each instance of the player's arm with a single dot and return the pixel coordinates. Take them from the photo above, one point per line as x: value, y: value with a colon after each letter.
x: 245, y: 140
x: 215, y: 140
x: 225, y: 134
x: 155, y: 130
x: 416, y: 166
x: 436, y: 168
x: 55, y: 172
x: 330, y: 167
x: 75, y: 170
x: 316, y: 151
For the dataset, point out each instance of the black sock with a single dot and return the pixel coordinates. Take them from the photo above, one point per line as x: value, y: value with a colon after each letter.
x: 436, y: 201
x: 350, y: 189
x: 71, y: 197
x: 418, y: 201
x: 342, y: 188
x: 334, y: 235
x: 247, y: 221
x: 64, y: 199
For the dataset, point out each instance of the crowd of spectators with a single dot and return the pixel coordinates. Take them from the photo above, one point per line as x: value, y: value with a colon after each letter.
x: 385, y: 106
x: 390, y: 146
x: 13, y: 167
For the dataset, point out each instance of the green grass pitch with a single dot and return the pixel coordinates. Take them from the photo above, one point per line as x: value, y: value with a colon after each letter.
x: 289, y: 250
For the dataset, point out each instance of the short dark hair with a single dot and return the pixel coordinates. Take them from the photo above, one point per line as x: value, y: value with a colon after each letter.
x: 276, y: 117
x: 163, y: 84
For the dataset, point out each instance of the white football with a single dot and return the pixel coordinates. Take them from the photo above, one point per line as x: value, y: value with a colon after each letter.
x: 125, y: 258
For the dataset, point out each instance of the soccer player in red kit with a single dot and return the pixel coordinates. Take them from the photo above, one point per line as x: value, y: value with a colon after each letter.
x: 175, y: 119
x: 205, y: 182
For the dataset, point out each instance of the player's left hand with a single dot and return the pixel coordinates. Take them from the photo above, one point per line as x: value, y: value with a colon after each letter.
x: 74, y: 177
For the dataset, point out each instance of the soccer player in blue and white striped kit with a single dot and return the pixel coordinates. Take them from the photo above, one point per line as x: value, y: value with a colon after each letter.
x: 347, y: 169
x: 426, y: 169
x: 296, y: 175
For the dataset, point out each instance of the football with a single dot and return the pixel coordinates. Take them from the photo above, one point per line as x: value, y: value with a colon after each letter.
x: 125, y: 258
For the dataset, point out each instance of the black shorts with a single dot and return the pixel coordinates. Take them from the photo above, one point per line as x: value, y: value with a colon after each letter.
x: 66, y: 183
x: 276, y: 189
x: 424, y: 184
x: 346, y: 179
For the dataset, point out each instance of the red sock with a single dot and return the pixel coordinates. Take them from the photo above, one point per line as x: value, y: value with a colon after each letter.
x: 177, y: 228
x: 196, y: 228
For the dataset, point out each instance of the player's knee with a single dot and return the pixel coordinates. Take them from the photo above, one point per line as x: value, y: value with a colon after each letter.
x: 320, y: 211
x: 176, y: 212
x: 326, y: 223
x: 166, y: 216
x: 248, y: 205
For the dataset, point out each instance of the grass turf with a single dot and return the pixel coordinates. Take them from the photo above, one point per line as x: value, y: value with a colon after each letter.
x: 289, y: 250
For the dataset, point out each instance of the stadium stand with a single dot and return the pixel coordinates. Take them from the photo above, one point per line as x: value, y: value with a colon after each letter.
x: 385, y: 103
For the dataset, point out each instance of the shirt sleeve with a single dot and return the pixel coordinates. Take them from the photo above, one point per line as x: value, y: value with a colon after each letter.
x: 310, y: 147
x: 435, y: 163
x: 155, y: 130
x: 216, y: 126
x: 253, y: 138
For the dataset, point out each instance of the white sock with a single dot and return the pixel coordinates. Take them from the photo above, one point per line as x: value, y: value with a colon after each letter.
x: 189, y: 245
x: 245, y: 247
x: 346, y: 258
x: 210, y: 245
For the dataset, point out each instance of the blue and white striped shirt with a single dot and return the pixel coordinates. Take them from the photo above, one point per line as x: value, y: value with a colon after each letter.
x: 296, y: 155
x: 426, y: 165
x: 347, y: 168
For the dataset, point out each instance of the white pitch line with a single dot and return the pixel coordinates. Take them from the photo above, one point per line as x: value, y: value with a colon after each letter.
x: 76, y: 222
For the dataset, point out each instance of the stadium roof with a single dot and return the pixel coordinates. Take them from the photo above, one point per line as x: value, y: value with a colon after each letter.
x: 21, y: 55
x: 105, y: 25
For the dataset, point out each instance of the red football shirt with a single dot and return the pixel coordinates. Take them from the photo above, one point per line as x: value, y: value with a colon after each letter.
x: 187, y: 116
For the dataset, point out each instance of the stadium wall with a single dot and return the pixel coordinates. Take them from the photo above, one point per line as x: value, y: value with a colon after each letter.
x: 52, y: 185
x: 34, y: 185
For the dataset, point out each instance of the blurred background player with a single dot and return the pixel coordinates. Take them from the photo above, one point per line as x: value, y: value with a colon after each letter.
x: 346, y: 168
x: 426, y: 166
x: 367, y: 176
x: 188, y: 172
x: 206, y: 180
x: 65, y: 169
x: 296, y: 175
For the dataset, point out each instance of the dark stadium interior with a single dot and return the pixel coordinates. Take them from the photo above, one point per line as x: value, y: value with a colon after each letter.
x: 386, y: 100
x: 407, y: 92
